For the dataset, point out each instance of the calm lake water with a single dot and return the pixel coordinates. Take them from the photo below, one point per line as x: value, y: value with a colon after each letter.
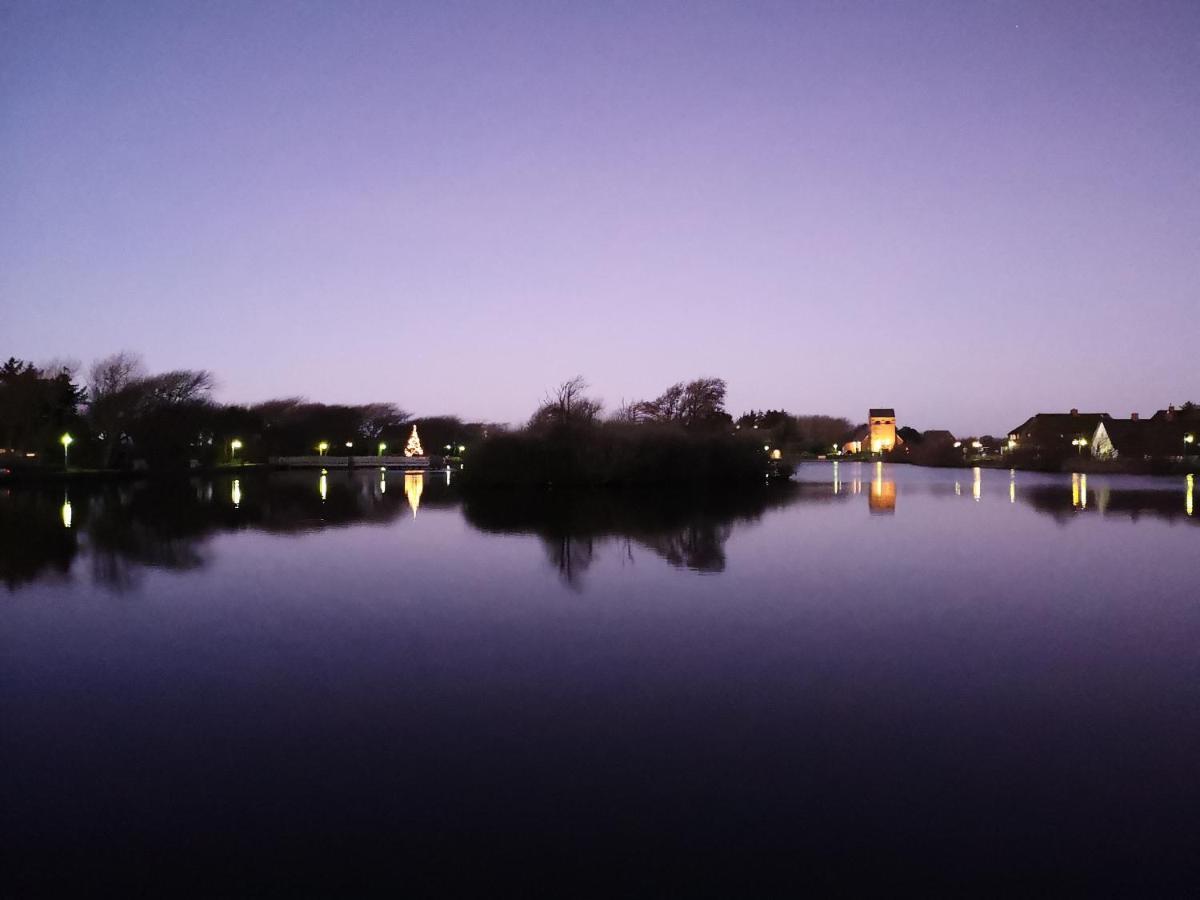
x: 364, y: 682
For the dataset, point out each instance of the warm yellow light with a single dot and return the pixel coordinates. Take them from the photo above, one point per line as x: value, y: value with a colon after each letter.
x: 1189, y: 438
x: 976, y: 444
x: 776, y: 454
x: 461, y: 448
x: 66, y: 440
x: 382, y: 447
x: 322, y: 447
x: 66, y: 513
x: 235, y: 444
x: 1187, y: 502
x: 235, y: 493
x: 414, y: 485
x: 766, y: 446
x: 323, y: 486
x: 958, y: 443
x: 349, y: 443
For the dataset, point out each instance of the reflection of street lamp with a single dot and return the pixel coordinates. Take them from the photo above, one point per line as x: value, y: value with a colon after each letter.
x: 322, y: 448
x: 65, y: 440
x: 234, y: 446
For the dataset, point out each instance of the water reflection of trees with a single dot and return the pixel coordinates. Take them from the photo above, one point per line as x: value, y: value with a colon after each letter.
x: 124, y: 528
x: 686, y: 529
x: 34, y: 544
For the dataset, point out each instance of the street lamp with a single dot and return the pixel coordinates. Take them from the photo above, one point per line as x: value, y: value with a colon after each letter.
x: 1189, y: 439
x: 322, y: 448
x: 461, y: 448
x: 234, y: 446
x: 66, y: 440
x: 382, y: 447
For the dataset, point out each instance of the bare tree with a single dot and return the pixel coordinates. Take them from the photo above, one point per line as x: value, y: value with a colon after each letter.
x: 703, y: 401
x: 378, y: 418
x: 694, y: 403
x: 114, y: 374
x: 114, y: 398
x: 180, y: 386
x: 567, y: 404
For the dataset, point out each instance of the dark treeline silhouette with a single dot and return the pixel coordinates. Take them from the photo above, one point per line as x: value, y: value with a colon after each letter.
x: 684, y: 436
x: 806, y: 434
x: 128, y: 418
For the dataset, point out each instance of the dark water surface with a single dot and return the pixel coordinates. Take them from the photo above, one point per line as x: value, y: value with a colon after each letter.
x: 972, y: 681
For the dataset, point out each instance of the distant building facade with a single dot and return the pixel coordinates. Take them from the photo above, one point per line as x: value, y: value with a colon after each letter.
x: 1054, y: 434
x: 882, y: 425
x: 1168, y: 434
x: 878, y: 435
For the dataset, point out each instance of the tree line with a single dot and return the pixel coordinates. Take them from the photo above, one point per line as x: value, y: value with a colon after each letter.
x: 123, y: 416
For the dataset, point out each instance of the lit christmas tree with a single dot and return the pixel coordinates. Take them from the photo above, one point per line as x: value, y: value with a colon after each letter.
x: 413, y: 447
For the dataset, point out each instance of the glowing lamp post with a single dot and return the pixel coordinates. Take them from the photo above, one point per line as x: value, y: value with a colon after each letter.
x: 322, y: 448
x: 1080, y: 443
x: 66, y: 440
x: 1188, y: 440
x: 382, y: 447
x: 234, y: 446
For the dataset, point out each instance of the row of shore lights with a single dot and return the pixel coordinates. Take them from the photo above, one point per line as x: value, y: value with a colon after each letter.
x: 323, y: 447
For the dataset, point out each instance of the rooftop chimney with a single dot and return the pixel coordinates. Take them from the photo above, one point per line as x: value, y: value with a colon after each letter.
x: 1074, y: 412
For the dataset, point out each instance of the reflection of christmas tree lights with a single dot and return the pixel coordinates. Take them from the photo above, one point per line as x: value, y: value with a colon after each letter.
x: 414, y: 485
x: 413, y: 447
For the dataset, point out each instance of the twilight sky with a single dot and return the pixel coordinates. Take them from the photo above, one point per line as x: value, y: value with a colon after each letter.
x: 970, y: 211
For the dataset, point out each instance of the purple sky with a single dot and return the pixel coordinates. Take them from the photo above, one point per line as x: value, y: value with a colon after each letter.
x: 970, y: 211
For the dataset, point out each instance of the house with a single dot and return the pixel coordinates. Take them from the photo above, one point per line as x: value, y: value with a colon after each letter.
x: 856, y: 440
x: 1054, y: 434
x: 1188, y: 414
x: 1142, y: 439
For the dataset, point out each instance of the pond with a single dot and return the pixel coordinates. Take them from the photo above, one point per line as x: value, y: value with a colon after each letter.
x: 364, y: 681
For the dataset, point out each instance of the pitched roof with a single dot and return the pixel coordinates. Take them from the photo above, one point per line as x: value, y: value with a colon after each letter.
x: 1046, y: 426
x: 1155, y: 438
x: 881, y: 413
x: 1176, y: 414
